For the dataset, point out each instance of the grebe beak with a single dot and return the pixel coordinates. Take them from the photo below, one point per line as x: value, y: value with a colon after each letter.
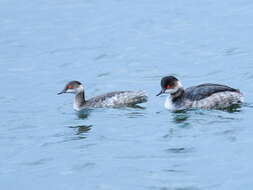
x: 162, y: 91
x: 62, y: 92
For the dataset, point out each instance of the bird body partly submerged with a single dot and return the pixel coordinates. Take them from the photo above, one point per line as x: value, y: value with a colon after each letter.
x: 207, y: 96
x: 112, y: 99
x: 204, y: 96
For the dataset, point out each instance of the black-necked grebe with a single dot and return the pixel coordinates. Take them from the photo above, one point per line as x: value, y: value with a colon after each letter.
x: 112, y: 99
x: 206, y: 96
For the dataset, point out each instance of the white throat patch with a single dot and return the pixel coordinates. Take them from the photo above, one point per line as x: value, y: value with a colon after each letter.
x: 169, y: 104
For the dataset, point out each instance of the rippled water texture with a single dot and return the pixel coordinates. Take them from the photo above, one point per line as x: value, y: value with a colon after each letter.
x: 123, y: 45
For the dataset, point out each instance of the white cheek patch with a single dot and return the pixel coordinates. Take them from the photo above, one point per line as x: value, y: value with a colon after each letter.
x: 79, y: 89
x: 175, y: 89
x: 179, y: 84
x: 70, y: 90
x: 171, y: 90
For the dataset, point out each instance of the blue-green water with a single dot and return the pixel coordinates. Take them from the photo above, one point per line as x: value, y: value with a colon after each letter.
x: 123, y: 45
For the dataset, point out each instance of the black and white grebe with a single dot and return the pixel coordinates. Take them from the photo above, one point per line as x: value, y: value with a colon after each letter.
x: 205, y: 96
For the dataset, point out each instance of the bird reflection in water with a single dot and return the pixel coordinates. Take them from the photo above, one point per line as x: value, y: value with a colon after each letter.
x: 135, y: 106
x: 135, y: 111
x: 233, y: 108
x: 182, y: 116
x: 81, y: 130
x: 83, y: 114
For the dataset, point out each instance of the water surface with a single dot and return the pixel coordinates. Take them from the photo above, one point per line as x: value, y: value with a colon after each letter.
x: 123, y: 45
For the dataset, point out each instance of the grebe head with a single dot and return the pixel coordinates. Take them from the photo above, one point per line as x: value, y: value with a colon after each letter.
x: 170, y: 85
x: 74, y: 87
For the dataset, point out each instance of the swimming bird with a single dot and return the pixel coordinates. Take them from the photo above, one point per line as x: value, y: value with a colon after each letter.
x: 111, y: 99
x: 205, y: 96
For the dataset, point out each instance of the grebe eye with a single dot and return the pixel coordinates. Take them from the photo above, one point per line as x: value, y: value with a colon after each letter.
x: 69, y: 86
x: 168, y: 86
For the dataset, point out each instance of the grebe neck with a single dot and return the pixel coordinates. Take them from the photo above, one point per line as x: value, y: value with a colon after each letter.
x: 79, y: 100
x: 178, y: 94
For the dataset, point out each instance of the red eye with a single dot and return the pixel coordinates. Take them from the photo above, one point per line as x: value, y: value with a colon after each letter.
x: 168, y: 86
x: 69, y: 86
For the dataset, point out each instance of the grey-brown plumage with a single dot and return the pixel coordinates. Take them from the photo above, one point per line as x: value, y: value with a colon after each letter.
x: 112, y: 99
